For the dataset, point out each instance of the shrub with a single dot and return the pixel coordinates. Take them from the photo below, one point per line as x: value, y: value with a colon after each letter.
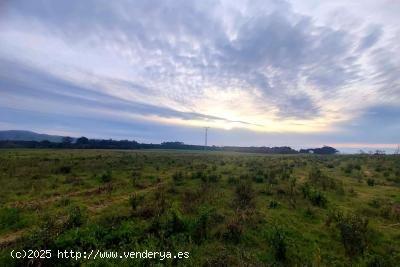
x: 317, y: 198
x: 315, y: 174
x: 191, y: 198
x: 75, y: 180
x: 198, y: 175
x: 201, y: 226
x: 278, y: 240
x: 258, y: 179
x: 207, y: 219
x: 64, y: 169
x: 353, y: 231
x: 348, y: 168
x: 75, y: 218
x: 371, y: 182
x: 45, y: 234
x: 214, y: 178
x: 146, y: 211
x: 309, y: 213
x: 177, y: 177
x: 10, y: 218
x: 352, y: 192
x: 244, y: 195
x: 232, y: 180
x: 340, y: 189
x: 211, y: 177
x: 317, y: 178
x: 390, y: 211
x: 170, y: 223
x: 106, y: 176
x: 136, y: 175
x: 330, y: 166
x: 267, y: 190
x: 135, y: 201
x: 273, y: 204
x: 63, y: 202
x: 380, y: 261
x: 375, y: 203
x: 234, y: 230
x: 285, y: 174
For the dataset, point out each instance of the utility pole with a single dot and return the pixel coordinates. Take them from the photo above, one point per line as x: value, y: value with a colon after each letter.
x: 205, y: 137
x: 397, y: 152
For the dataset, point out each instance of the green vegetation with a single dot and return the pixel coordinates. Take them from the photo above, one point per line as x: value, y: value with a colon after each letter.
x: 224, y: 208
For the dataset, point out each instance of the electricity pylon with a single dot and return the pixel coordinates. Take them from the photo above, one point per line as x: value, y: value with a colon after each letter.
x: 205, y: 137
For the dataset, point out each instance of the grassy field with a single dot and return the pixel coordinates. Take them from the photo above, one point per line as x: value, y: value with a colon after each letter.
x: 225, y: 209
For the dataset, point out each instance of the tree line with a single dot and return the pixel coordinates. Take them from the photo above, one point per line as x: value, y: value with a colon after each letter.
x: 86, y: 143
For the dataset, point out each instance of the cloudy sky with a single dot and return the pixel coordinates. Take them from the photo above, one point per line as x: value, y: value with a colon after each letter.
x: 271, y: 72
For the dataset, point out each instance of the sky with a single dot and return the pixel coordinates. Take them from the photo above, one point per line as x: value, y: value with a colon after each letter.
x: 258, y: 73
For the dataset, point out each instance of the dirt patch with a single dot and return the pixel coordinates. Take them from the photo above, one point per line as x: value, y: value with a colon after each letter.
x: 10, y: 239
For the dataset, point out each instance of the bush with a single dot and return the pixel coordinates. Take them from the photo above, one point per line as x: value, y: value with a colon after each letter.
x: 10, y: 219
x: 198, y: 175
x: 207, y: 218
x: 64, y: 169
x: 285, y: 174
x: 134, y: 201
x: 380, y: 261
x: 234, y: 230
x: 106, y: 177
x: 169, y: 223
x: 232, y: 180
x: 177, y: 177
x: 278, y: 241
x: 273, y: 204
x: 371, y: 182
x: 136, y: 175
x: 375, y: 203
x: 258, y: 179
x: 317, y: 178
x: 75, y: 218
x: 192, y: 198
x: 45, y: 234
x: 213, y: 178
x: 244, y: 195
x: 201, y: 226
x: 316, y: 197
x: 63, y: 202
x: 353, y: 231
x: 309, y: 213
x: 315, y: 174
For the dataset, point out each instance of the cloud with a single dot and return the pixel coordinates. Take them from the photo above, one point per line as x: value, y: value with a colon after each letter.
x: 48, y: 90
x: 371, y: 38
x: 265, y: 66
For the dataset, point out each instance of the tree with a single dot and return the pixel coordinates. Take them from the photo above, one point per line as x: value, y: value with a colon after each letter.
x: 325, y: 150
x: 82, y: 140
x: 67, y: 140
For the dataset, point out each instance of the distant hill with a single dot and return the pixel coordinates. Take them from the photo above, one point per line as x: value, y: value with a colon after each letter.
x: 18, y: 135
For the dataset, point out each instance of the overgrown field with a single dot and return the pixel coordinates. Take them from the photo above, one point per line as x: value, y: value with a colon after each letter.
x: 225, y: 209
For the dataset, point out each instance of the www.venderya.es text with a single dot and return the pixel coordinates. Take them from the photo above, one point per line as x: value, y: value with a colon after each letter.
x: 97, y: 254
